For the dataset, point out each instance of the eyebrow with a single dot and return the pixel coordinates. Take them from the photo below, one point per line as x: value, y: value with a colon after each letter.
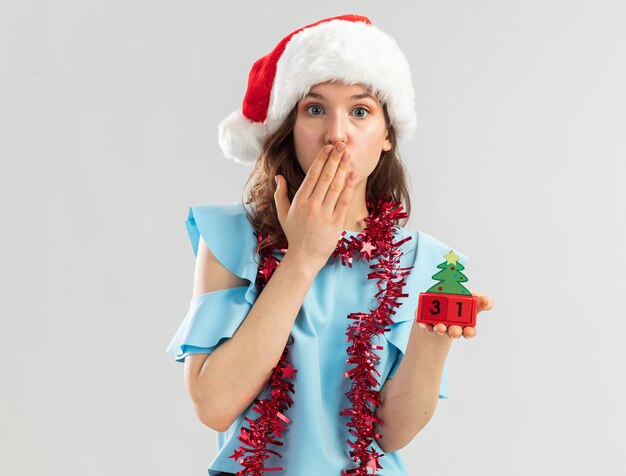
x: 356, y: 96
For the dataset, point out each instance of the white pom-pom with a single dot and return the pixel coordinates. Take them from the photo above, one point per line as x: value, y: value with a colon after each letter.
x: 240, y: 139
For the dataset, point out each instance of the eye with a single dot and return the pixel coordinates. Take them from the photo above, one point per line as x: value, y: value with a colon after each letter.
x: 313, y: 109
x: 361, y: 112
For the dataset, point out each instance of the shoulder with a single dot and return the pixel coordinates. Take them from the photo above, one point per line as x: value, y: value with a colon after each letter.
x: 226, y: 231
x: 428, y: 244
x: 213, y: 219
x: 423, y: 251
x: 428, y: 252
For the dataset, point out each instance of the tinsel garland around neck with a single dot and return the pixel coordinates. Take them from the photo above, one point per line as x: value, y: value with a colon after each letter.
x: 376, y: 240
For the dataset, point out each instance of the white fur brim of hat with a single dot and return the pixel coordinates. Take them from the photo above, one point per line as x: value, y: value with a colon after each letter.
x: 349, y: 52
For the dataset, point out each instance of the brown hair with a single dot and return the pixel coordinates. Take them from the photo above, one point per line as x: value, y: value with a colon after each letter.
x: 278, y: 154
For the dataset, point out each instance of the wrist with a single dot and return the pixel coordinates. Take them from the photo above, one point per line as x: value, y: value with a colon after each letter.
x: 431, y: 341
x: 302, y: 264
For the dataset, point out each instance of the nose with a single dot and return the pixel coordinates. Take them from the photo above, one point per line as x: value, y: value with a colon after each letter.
x: 336, y: 129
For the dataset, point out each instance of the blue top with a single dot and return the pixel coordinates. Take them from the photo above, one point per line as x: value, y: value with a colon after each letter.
x: 315, y: 440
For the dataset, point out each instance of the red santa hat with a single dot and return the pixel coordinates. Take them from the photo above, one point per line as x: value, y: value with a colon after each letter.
x: 346, y: 48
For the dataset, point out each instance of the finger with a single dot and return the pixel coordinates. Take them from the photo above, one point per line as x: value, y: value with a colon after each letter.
x: 440, y: 328
x: 345, y: 198
x: 281, y: 198
x: 313, y: 174
x: 455, y: 331
x: 469, y: 332
x: 427, y: 327
x: 484, y: 302
x: 338, y: 183
x: 328, y: 174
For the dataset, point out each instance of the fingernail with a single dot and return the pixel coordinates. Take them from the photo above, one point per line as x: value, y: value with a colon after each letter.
x: 327, y: 149
x: 341, y: 146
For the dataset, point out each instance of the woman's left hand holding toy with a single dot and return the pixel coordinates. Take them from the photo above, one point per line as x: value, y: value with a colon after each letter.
x: 485, y: 303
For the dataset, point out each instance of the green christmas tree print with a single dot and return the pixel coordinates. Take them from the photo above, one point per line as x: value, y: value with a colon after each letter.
x: 450, y: 277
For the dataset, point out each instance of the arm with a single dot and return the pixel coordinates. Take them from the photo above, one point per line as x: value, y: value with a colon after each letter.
x: 224, y: 383
x: 410, y: 398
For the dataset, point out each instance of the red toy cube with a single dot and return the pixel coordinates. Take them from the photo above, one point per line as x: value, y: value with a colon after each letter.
x: 448, y: 309
x: 432, y: 308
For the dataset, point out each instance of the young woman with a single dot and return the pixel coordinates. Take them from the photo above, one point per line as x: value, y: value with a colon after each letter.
x: 299, y: 344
